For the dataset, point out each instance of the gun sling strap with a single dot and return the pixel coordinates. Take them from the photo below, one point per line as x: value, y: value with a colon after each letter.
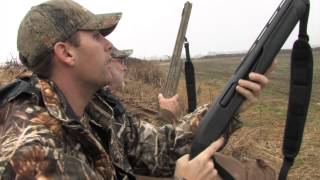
x: 190, y: 80
x: 299, y: 97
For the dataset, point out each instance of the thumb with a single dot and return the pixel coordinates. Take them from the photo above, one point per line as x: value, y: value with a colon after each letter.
x: 184, y: 159
x: 210, y: 150
x: 160, y: 96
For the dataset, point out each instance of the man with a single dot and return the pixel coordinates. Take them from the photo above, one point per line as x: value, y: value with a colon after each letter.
x: 118, y: 68
x: 54, y: 125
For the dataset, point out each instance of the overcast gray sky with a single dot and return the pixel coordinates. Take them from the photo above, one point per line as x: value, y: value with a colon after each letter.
x: 150, y: 26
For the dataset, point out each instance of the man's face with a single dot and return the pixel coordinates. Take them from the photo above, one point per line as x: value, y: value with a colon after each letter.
x: 117, y: 70
x: 93, y: 56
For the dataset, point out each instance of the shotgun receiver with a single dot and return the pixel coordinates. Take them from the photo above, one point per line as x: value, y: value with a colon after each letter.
x: 258, y: 59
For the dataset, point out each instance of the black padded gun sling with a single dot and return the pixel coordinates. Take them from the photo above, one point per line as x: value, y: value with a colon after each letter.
x: 299, y: 97
x: 190, y: 80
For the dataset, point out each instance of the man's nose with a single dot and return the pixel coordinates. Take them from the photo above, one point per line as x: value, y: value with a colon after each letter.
x: 107, y: 45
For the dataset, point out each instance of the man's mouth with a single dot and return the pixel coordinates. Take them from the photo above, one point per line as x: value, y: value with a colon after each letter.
x: 108, y: 60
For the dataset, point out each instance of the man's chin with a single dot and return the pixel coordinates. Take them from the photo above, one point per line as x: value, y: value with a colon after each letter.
x: 122, y: 87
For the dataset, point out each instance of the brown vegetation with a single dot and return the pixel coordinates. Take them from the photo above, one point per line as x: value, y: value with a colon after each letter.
x: 10, y: 70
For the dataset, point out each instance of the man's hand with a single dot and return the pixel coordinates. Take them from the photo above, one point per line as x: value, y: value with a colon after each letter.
x: 201, y: 167
x: 170, y: 104
x: 252, y: 88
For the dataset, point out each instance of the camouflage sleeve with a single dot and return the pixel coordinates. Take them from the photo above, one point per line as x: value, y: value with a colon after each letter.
x: 157, y: 148
x: 29, y: 150
x: 166, y: 116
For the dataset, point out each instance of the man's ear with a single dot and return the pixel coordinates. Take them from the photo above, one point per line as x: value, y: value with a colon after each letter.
x: 64, y: 53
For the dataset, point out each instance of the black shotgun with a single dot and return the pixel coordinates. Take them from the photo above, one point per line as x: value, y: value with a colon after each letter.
x: 258, y: 59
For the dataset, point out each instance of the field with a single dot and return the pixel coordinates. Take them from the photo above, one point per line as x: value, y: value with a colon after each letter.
x: 261, y: 136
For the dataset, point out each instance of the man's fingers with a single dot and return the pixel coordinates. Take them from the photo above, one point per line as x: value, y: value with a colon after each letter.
x: 160, y: 96
x: 259, y: 78
x: 210, y: 150
x: 250, y: 86
x: 247, y: 94
x: 176, y: 96
x: 184, y: 159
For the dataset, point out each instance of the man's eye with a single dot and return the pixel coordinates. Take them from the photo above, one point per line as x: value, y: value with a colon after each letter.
x: 96, y: 35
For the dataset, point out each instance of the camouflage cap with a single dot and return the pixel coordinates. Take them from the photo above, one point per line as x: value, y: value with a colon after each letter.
x: 121, y: 54
x: 54, y: 21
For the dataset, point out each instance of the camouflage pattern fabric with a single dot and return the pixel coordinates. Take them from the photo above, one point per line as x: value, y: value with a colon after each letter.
x: 150, y: 150
x: 39, y: 140
x: 40, y: 137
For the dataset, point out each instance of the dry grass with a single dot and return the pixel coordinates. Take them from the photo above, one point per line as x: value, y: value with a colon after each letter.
x: 10, y: 70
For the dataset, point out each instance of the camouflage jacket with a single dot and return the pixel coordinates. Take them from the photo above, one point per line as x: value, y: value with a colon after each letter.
x: 41, y: 137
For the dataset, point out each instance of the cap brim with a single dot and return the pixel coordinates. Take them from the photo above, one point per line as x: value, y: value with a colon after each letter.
x: 121, y: 53
x: 105, y: 23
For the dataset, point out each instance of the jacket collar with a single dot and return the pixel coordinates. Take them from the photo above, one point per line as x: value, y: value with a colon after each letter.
x: 55, y: 102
